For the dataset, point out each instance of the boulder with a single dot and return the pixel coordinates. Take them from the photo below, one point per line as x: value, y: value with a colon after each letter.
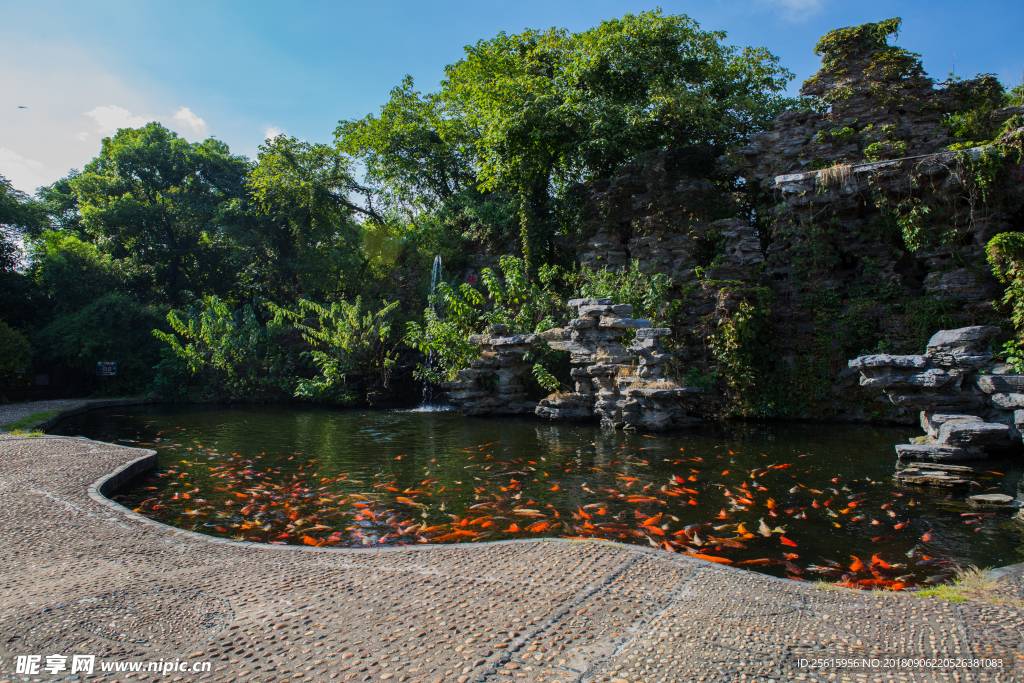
x: 626, y: 323
x: 653, y: 332
x: 937, y: 402
x: 937, y: 453
x: 1000, y: 384
x: 973, y: 434
x: 932, y: 422
x: 964, y: 337
x: 994, y: 500
x: 936, y: 478
x: 882, y: 377
x: 1008, y: 401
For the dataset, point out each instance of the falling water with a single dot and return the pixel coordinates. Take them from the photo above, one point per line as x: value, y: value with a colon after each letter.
x: 428, y: 389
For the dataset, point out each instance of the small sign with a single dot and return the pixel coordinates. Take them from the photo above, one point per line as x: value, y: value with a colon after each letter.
x: 106, y: 368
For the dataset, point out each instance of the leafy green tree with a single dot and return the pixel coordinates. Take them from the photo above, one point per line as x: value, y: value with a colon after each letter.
x: 15, y: 351
x: 71, y: 273
x: 153, y: 200
x: 553, y: 108
x: 524, y: 305
x: 19, y: 216
x: 233, y: 354
x: 353, y: 351
x: 418, y: 151
x: 301, y: 237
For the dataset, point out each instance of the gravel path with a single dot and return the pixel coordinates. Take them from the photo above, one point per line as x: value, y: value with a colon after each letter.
x: 82, y: 575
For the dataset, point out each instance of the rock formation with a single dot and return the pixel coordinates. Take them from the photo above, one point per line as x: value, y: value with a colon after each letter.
x: 493, y: 383
x: 624, y: 387
x: 969, y: 406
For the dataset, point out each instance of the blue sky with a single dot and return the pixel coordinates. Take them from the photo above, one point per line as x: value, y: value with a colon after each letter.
x: 242, y: 70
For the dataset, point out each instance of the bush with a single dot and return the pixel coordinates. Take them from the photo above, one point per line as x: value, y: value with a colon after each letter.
x: 112, y: 328
x: 227, y: 354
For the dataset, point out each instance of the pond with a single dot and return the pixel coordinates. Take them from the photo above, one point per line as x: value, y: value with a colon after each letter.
x: 805, y: 501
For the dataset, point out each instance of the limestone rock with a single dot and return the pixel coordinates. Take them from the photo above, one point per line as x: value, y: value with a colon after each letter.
x: 1000, y: 384
x: 973, y: 434
x: 936, y: 453
x: 884, y: 360
x: 994, y: 500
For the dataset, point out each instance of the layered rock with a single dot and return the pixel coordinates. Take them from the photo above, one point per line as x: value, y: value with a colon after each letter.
x: 493, y: 385
x: 966, y: 412
x: 623, y: 387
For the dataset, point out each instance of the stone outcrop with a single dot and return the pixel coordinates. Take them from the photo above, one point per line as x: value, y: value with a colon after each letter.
x: 866, y: 223
x: 623, y: 387
x: 493, y: 384
x: 968, y: 407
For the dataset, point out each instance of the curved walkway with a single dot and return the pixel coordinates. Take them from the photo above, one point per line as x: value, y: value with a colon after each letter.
x: 82, y: 575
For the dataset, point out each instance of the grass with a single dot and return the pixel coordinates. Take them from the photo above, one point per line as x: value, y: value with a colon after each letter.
x: 971, y: 583
x: 22, y: 432
x: 30, y: 420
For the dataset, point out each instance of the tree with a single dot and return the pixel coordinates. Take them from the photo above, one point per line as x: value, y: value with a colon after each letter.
x: 553, y: 108
x: 154, y: 199
x: 301, y: 237
x: 417, y: 150
x: 19, y: 216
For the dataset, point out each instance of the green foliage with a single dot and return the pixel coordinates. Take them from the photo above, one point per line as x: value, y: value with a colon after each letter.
x: 112, y: 327
x: 881, y: 150
x: 15, y: 351
x: 512, y: 299
x: 647, y: 293
x: 744, y: 349
x: 1006, y: 256
x: 1014, y: 96
x: 153, y: 199
x: 836, y: 45
x: 302, y: 236
x: 233, y: 354
x: 419, y: 151
x: 70, y: 272
x: 530, y: 115
x: 349, y: 349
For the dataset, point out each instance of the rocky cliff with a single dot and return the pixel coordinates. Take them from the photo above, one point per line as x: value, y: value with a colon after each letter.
x: 857, y: 225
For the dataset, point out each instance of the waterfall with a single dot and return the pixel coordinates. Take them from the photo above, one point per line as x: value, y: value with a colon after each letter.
x: 428, y: 389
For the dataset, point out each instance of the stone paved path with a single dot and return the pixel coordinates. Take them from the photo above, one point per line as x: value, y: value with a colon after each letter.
x: 81, y: 575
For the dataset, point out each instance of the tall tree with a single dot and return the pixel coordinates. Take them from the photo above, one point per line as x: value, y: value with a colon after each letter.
x: 301, y: 237
x: 153, y: 200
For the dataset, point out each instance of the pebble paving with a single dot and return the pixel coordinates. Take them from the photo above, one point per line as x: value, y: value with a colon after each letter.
x: 81, y: 574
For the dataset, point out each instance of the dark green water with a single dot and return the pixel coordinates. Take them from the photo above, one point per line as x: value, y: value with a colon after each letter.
x: 357, y: 478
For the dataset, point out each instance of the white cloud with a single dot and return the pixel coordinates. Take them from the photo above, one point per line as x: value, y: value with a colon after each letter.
x: 83, y: 136
x: 271, y: 132
x: 111, y: 118
x: 25, y: 174
x: 795, y: 10
x: 185, y: 117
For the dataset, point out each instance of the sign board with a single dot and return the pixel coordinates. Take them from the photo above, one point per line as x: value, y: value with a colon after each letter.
x: 106, y: 368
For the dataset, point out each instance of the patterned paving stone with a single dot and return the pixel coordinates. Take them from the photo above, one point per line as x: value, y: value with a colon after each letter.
x: 82, y: 575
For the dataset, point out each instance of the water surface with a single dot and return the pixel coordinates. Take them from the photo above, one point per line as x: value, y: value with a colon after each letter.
x: 804, y: 501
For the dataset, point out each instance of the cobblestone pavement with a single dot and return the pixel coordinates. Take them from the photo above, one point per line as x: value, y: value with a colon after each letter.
x: 81, y: 575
